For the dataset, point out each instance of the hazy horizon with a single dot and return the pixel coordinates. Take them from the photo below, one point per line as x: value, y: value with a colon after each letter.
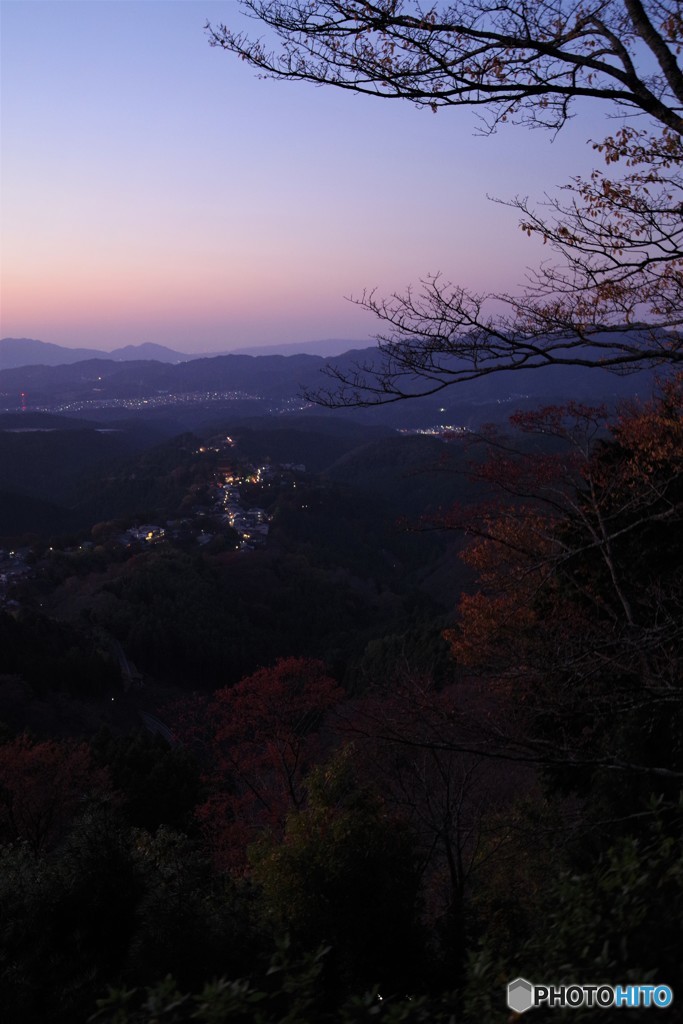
x: 154, y: 190
x: 322, y: 346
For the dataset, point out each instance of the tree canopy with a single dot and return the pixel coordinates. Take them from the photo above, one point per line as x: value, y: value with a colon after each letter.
x: 575, y: 626
x: 612, y: 292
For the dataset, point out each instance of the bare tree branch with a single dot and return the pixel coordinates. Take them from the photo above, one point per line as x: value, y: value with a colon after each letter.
x: 611, y: 295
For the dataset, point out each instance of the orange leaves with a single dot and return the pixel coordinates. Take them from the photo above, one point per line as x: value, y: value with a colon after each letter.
x: 672, y: 28
x: 652, y: 439
x: 582, y: 563
x: 636, y: 147
x: 490, y: 628
x: 618, y: 239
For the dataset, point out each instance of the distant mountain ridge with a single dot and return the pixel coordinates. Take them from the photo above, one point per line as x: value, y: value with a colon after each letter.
x: 18, y: 352
x: 249, y: 385
x: 324, y: 347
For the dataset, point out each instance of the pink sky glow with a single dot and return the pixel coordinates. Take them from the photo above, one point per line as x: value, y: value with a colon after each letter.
x: 154, y: 189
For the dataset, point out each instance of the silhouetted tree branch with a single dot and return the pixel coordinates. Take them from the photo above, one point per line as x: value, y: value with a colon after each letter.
x: 612, y: 294
x: 523, y: 59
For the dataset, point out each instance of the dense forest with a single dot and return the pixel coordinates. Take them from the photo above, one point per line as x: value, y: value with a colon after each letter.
x: 418, y: 737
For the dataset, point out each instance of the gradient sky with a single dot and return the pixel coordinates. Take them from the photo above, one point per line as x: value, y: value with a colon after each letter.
x: 155, y: 190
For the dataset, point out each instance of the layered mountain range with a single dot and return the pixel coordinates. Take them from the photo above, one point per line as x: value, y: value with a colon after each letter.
x: 195, y: 390
x: 16, y: 352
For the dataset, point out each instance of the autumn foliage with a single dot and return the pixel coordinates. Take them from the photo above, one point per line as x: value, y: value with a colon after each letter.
x: 43, y: 786
x: 264, y: 734
x: 577, y: 618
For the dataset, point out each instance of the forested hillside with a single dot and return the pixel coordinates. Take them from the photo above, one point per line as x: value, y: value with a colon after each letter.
x: 342, y: 690
x: 245, y: 735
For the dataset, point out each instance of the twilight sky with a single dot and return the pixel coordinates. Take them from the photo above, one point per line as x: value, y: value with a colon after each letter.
x: 153, y: 189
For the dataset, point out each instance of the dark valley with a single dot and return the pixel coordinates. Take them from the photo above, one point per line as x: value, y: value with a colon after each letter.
x: 325, y: 699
